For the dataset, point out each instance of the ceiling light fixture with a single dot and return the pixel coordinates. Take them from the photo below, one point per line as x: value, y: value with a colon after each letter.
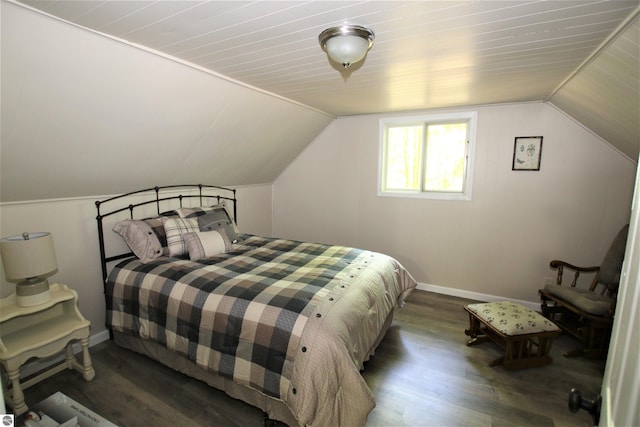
x: 346, y: 44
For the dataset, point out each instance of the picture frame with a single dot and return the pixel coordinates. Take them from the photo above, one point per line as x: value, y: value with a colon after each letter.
x: 527, y: 153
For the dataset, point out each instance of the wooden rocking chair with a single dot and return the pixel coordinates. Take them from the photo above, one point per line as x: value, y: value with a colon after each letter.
x: 587, y: 314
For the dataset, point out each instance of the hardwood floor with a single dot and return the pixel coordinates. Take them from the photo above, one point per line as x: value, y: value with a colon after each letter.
x: 423, y: 374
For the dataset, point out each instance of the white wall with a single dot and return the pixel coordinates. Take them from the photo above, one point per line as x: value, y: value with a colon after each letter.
x: 73, y: 226
x: 500, y: 243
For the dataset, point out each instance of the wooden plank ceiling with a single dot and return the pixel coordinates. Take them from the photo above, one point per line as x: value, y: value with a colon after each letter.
x: 427, y: 54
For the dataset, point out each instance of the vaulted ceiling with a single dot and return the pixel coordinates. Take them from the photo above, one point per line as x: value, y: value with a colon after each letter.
x: 582, y: 56
x: 428, y: 54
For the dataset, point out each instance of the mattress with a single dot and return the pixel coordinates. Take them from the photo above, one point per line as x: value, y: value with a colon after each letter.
x: 281, y: 324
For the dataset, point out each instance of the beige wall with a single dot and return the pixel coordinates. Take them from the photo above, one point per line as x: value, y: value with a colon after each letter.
x: 73, y: 226
x: 104, y: 117
x: 497, y: 244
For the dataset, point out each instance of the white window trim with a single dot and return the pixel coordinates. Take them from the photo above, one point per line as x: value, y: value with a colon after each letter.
x: 470, y: 116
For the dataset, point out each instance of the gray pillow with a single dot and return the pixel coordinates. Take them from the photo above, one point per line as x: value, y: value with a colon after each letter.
x: 218, y: 218
x: 141, y: 237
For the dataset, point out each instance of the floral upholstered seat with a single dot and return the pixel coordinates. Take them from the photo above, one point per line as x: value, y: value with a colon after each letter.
x: 512, y: 318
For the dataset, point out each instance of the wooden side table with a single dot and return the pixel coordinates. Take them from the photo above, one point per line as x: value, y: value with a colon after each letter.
x: 41, y: 331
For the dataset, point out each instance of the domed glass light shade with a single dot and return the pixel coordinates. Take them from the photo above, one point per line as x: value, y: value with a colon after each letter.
x: 347, y: 44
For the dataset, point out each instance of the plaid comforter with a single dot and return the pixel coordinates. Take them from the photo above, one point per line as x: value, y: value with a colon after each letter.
x: 244, y: 314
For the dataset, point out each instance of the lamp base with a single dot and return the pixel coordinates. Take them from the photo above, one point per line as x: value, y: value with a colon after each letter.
x: 32, y: 292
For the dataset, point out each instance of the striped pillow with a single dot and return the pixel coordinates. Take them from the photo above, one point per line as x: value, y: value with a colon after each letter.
x: 206, y: 243
x: 174, y: 229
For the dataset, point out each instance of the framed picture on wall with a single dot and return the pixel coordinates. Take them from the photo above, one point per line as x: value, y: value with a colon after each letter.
x: 527, y: 152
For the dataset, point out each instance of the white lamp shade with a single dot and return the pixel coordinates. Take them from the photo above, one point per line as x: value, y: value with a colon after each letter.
x: 347, y: 49
x: 33, y: 257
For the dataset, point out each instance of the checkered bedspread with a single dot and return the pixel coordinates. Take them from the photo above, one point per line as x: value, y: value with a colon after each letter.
x: 242, y: 314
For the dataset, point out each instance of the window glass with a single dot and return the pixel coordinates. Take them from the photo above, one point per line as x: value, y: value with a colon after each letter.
x: 404, y: 152
x: 428, y: 156
x: 445, y: 157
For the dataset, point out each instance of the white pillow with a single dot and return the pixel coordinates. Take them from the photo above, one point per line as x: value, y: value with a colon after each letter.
x: 205, y: 244
x: 174, y: 229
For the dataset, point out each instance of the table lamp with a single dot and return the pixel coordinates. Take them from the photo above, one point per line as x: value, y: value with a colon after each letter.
x: 29, y: 259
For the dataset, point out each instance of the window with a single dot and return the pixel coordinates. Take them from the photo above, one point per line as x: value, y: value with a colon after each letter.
x: 427, y: 156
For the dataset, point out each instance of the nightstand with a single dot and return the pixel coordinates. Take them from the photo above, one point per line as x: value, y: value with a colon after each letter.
x: 41, y: 331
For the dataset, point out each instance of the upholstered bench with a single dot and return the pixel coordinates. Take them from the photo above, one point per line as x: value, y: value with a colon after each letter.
x: 525, y: 335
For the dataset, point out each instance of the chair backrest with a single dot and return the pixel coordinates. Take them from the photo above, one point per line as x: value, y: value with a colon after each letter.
x: 611, y: 266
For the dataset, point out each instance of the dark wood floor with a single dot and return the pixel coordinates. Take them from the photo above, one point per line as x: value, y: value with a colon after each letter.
x: 423, y: 374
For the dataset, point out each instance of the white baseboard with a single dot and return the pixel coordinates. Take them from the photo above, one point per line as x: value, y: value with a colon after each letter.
x: 476, y: 296
x: 98, y: 338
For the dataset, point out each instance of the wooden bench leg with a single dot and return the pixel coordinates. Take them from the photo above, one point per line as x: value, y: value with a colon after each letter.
x: 498, y: 361
x: 475, y: 332
x: 474, y: 325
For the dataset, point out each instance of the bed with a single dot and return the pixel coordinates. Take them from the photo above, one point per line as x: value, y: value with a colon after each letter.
x: 283, y: 325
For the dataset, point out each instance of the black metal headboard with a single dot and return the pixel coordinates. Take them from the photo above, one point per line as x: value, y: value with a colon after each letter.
x: 164, y: 198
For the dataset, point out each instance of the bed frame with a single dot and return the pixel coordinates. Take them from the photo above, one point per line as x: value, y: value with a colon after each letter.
x: 162, y: 198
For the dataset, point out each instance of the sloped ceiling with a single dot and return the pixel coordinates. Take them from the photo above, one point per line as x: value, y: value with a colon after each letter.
x: 605, y: 93
x: 230, y: 92
x: 87, y: 115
